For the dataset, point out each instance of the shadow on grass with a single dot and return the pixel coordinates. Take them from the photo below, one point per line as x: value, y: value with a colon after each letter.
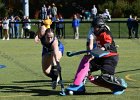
x: 40, y: 88
x: 39, y: 81
x: 33, y: 81
x: 40, y: 92
x: 99, y: 93
x: 128, y: 71
x: 33, y: 92
x: 33, y: 87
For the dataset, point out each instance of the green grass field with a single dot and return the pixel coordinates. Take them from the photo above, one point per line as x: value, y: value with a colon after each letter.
x: 23, y: 79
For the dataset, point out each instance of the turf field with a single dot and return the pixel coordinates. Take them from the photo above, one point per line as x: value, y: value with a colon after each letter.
x: 23, y: 79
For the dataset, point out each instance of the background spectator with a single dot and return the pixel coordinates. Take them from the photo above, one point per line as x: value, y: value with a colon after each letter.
x: 53, y: 22
x: 49, y: 12
x: 43, y: 12
x: 57, y: 27
x: 47, y: 22
x: 5, y: 28
x: 87, y: 15
x: 0, y: 27
x: 75, y: 25
x: 16, y: 27
x: 23, y: 27
x: 107, y: 15
x: 130, y: 25
x: 82, y: 16
x: 11, y: 27
x: 61, y: 26
x: 94, y: 12
x: 54, y: 10
x: 27, y: 27
x: 135, y: 26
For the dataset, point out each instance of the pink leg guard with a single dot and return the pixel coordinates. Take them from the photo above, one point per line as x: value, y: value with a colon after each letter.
x: 82, y: 71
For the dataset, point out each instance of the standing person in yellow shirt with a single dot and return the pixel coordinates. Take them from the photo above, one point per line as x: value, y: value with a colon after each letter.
x: 47, y: 22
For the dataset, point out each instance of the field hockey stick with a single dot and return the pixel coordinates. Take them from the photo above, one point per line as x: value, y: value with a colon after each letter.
x: 70, y: 53
x: 62, y: 93
x: 95, y: 52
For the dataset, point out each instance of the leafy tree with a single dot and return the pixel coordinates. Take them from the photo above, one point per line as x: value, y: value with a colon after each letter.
x: 136, y: 7
x: 119, y: 8
x: 3, y: 10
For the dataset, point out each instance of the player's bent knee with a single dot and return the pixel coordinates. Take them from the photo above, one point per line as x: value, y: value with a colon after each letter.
x: 46, y: 71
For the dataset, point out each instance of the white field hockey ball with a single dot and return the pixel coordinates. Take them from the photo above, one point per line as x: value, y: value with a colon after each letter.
x: 70, y: 92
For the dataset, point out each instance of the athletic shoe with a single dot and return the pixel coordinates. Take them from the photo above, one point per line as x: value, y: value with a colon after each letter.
x: 7, y: 38
x: 62, y: 93
x: 120, y: 91
x: 73, y: 87
x: 3, y: 39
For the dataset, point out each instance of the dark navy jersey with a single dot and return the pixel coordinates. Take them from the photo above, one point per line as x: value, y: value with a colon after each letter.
x: 48, y: 47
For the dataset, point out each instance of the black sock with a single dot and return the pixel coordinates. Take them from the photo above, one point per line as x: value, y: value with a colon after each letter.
x: 53, y: 73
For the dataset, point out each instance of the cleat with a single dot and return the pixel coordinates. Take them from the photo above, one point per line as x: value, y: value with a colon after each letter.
x: 119, y: 91
x: 62, y: 93
x: 123, y: 83
x: 77, y: 88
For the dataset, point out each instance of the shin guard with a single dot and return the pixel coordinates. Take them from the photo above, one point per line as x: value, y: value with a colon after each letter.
x: 82, y: 71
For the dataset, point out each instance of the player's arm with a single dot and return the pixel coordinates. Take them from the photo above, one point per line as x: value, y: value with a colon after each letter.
x: 40, y: 32
x: 90, y: 41
x: 56, y: 50
x: 90, y: 45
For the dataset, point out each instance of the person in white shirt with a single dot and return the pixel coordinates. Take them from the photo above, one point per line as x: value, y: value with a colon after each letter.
x: 54, y: 10
x: 5, y: 25
x: 94, y: 12
x: 107, y: 15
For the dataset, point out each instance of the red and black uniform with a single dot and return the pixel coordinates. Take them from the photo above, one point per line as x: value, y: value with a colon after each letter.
x: 104, y: 39
x: 106, y: 63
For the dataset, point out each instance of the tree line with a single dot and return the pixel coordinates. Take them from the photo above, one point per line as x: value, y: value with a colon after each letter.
x: 117, y: 8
